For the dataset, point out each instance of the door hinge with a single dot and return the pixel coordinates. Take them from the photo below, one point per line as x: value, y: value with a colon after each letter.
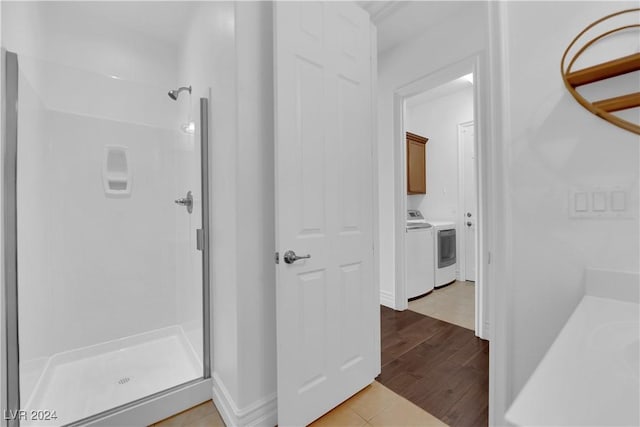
x: 200, y: 239
x: 277, y: 257
x: 489, y: 257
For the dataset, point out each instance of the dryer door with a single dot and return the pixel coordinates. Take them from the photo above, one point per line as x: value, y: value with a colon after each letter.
x: 446, y: 248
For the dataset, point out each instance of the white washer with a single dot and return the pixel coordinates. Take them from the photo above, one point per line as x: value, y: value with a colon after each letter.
x: 419, y: 257
x: 444, y: 250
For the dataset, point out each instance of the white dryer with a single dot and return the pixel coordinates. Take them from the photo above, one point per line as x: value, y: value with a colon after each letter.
x: 445, y: 252
x: 419, y: 257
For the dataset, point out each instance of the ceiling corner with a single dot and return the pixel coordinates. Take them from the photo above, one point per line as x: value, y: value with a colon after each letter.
x: 381, y: 10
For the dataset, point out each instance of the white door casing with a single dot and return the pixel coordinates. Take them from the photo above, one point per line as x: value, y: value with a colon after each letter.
x: 469, y: 197
x: 327, y: 306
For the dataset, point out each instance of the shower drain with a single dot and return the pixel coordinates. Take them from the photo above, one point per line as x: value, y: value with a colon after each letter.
x: 124, y: 380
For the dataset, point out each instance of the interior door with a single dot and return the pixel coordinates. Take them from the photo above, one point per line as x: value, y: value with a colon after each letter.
x: 470, y: 201
x: 327, y: 303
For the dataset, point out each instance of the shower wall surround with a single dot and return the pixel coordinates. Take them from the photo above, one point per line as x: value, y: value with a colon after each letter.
x: 109, y: 262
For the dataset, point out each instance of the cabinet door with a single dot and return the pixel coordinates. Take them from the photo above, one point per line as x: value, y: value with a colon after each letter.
x: 416, y: 159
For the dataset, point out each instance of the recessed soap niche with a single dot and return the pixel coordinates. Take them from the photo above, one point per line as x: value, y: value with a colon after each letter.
x: 116, y: 171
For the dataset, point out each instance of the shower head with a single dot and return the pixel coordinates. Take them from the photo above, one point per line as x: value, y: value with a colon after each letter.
x: 174, y: 93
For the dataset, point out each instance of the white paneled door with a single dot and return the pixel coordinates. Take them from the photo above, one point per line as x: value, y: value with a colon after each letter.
x: 327, y: 304
x: 470, y: 200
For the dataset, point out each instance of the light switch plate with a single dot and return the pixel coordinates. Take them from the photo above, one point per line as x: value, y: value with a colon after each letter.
x: 618, y: 201
x: 580, y: 202
x: 599, y: 202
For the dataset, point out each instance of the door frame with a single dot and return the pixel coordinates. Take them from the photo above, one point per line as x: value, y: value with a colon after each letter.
x: 476, y: 64
x: 375, y: 180
x: 10, y: 350
x: 462, y: 249
x: 462, y: 255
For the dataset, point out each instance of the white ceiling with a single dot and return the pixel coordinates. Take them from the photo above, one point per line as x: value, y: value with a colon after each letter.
x: 164, y: 21
x: 396, y: 21
x: 446, y: 89
x: 399, y: 21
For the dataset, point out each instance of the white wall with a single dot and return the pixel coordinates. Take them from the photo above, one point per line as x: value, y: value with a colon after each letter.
x: 550, y: 146
x: 256, y: 211
x: 465, y: 34
x: 438, y: 120
x: 62, y: 32
x: 243, y: 241
x: 225, y: 45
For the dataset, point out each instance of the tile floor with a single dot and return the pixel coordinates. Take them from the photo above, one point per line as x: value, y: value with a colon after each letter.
x: 202, y: 415
x: 376, y: 405
x: 454, y: 303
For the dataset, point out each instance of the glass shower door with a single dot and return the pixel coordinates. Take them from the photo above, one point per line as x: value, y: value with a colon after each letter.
x: 109, y: 211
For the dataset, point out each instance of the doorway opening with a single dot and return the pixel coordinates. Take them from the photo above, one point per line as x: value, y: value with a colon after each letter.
x: 442, y: 109
x: 434, y: 344
x: 441, y: 193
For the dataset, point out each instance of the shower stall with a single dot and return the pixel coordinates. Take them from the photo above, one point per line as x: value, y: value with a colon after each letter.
x: 106, y: 216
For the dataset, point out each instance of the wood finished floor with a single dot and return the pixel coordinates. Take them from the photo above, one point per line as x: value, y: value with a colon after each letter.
x: 441, y: 367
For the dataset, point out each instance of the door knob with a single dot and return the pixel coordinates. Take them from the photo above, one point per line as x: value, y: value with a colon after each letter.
x: 290, y: 257
x: 468, y: 214
x: 186, y: 201
x: 469, y: 224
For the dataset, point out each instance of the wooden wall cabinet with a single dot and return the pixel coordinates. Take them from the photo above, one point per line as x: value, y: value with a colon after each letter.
x: 416, y: 164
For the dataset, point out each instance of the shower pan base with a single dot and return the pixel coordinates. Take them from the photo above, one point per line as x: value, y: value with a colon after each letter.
x: 83, y: 382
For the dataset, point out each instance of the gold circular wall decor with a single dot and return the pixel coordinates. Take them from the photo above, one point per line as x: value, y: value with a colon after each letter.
x: 606, y: 70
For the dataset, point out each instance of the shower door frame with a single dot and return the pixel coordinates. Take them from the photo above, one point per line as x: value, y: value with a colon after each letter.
x: 138, y: 411
x: 10, y: 365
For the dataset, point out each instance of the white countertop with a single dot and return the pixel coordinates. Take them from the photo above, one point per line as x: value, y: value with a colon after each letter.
x: 590, y: 374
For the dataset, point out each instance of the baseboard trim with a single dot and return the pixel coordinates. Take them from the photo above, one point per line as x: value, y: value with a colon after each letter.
x: 388, y: 299
x: 261, y: 413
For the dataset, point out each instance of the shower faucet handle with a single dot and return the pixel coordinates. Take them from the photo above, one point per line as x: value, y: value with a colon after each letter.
x: 186, y: 201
